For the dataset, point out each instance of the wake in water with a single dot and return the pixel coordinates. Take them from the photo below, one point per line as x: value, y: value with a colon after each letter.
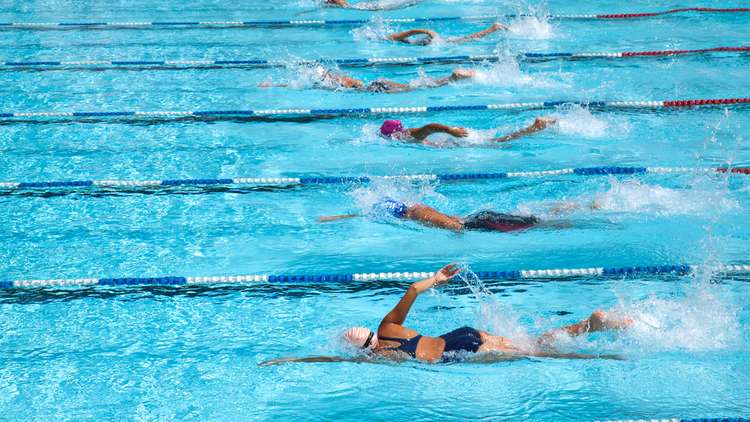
x: 702, y: 318
x: 632, y: 196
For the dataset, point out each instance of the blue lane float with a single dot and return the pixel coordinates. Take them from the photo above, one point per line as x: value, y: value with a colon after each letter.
x: 349, y: 180
x: 358, y: 61
x: 560, y: 273
x: 366, y: 111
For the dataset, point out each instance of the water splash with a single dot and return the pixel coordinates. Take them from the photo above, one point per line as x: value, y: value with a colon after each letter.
x: 408, y: 192
x: 634, y: 196
x: 507, y: 73
x: 702, y: 318
x: 574, y: 120
x: 376, y: 30
x: 531, y: 27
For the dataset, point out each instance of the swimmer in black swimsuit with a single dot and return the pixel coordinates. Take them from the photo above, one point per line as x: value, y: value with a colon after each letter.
x: 426, y: 36
x: 395, y: 341
x: 483, y: 220
x: 328, y: 79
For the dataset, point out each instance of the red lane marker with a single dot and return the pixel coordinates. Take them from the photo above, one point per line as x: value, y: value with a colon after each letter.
x: 740, y: 170
x: 675, y: 52
x: 666, y: 12
x: 690, y: 103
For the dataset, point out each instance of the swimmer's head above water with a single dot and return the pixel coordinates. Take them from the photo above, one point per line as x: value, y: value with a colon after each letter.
x: 392, y: 128
x: 361, y: 338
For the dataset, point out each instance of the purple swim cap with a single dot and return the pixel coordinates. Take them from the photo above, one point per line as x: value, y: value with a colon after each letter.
x: 389, y: 127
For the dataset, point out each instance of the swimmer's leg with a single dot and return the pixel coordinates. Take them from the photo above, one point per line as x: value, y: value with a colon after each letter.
x: 599, y: 320
x: 493, y: 343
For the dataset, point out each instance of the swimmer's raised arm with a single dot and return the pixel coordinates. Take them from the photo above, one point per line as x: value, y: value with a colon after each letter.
x: 329, y: 218
x: 539, y: 124
x: 493, y: 28
x: 398, y: 314
x: 405, y: 35
x: 421, y: 133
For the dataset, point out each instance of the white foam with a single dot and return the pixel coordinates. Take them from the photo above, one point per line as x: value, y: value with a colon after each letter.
x: 575, y: 120
x: 633, y: 196
x: 531, y: 27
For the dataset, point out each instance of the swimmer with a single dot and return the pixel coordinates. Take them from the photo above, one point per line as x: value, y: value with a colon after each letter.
x: 394, y: 341
x: 394, y: 129
x: 426, y: 36
x: 328, y: 79
x: 485, y: 220
x: 374, y: 5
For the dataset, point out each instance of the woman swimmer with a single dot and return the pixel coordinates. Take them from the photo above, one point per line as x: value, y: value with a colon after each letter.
x: 374, y: 5
x: 328, y: 79
x: 483, y: 220
x: 394, y: 129
x: 396, y: 342
x: 426, y: 36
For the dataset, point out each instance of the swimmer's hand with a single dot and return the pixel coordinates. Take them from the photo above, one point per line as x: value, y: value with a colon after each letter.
x: 459, y: 74
x: 543, y: 122
x: 458, y: 132
x: 445, y: 275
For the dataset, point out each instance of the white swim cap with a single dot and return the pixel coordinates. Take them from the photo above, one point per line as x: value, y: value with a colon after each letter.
x: 361, y: 337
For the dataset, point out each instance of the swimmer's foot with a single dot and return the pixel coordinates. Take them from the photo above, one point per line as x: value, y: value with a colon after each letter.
x: 601, y: 320
x: 459, y: 74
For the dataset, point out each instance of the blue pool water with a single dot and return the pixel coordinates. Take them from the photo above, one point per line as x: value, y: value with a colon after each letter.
x: 167, y: 353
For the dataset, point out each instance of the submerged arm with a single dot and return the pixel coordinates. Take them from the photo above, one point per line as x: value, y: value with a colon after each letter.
x: 314, y: 359
x: 329, y: 218
x: 539, y: 124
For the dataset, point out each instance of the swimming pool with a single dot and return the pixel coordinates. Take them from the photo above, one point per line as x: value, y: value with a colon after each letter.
x: 191, y: 352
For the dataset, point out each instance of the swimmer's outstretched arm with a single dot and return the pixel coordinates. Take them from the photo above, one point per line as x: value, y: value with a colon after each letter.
x: 329, y: 218
x: 456, y: 75
x: 493, y: 28
x: 314, y: 359
x: 539, y: 124
x: 398, y: 314
x: 421, y: 133
x: 405, y: 35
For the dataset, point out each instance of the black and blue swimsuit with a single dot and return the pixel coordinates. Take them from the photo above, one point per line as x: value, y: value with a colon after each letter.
x: 464, y: 339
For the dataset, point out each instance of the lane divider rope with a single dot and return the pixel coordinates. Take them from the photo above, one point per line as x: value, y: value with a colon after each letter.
x: 680, y: 269
x: 343, y: 180
x: 322, y: 22
x: 290, y: 112
x: 371, y: 61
